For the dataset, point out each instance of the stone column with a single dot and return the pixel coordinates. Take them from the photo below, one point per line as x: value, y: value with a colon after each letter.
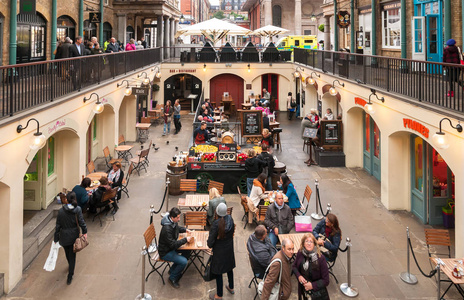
x: 54, y: 25
x: 160, y: 35
x: 100, y: 33
x: 166, y: 37
x: 297, y: 18
x: 173, y: 32
x: 122, y: 28
x: 267, y: 12
x: 327, y: 33
x: 81, y: 18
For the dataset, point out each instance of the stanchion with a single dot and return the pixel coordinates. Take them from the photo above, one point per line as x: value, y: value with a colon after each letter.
x: 407, y: 276
x: 167, y: 199
x: 438, y: 282
x: 347, y: 288
x: 329, y: 208
x: 143, y: 295
x: 316, y: 215
x: 152, y: 211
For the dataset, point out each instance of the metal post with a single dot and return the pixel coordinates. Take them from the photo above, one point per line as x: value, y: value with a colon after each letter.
x: 143, y: 295
x: 407, y: 276
x: 152, y: 211
x: 438, y: 281
x: 81, y: 18
x: 316, y: 215
x: 167, y: 199
x: 335, y: 28
x: 447, y: 19
x: 13, y: 44
x: 347, y: 288
x: 102, y: 41
x: 54, y: 25
x: 329, y: 208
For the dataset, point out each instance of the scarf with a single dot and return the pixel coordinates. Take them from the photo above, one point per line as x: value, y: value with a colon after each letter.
x: 114, y: 176
x: 309, y: 256
x: 277, y: 205
x: 258, y: 184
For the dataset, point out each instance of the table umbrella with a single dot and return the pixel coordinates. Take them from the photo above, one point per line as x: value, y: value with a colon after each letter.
x: 270, y: 31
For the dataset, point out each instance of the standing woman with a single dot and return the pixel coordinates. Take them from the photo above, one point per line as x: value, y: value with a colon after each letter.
x: 168, y: 111
x: 66, y: 231
x: 291, y: 104
x: 289, y: 190
x: 177, y: 116
x: 131, y: 45
x: 451, y: 55
x: 310, y: 268
x: 221, y: 240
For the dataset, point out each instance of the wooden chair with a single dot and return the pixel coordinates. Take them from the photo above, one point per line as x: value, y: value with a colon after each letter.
x: 125, y: 181
x: 438, y: 237
x: 243, y: 202
x: 307, y: 195
x: 254, y: 269
x: 109, y: 160
x: 145, y: 120
x: 188, y: 185
x: 229, y: 212
x: 91, y: 167
x: 262, y: 209
x: 157, y: 264
x: 218, y: 185
x: 121, y: 140
x: 149, y: 146
x: 195, y: 220
x: 139, y: 161
x: 106, y: 200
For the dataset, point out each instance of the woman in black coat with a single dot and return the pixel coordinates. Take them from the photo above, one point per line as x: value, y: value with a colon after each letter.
x: 115, y: 177
x: 67, y: 231
x: 221, y: 240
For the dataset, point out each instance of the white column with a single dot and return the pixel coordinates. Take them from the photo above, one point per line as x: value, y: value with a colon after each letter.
x: 122, y: 28
x: 160, y: 34
x: 173, y: 32
x: 267, y: 12
x: 327, y: 33
x: 297, y: 18
x: 166, y: 37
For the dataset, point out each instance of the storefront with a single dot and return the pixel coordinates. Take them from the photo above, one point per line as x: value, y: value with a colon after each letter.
x: 270, y: 82
x: 391, y: 25
x: 107, y: 31
x: 66, y: 28
x: 31, y: 38
x: 428, y: 30
x: 364, y: 33
x: 90, y: 30
x: 371, y: 146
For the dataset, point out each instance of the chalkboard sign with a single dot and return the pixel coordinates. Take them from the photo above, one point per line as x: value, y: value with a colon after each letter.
x: 310, y: 132
x: 251, y: 121
x: 332, y: 134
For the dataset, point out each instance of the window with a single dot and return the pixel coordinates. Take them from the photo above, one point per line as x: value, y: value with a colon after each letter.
x: 297, y: 43
x: 309, y: 41
x: 51, y: 156
x: 277, y: 16
x: 418, y: 164
x: 32, y: 174
x: 307, y: 32
x: 391, y: 28
x: 94, y: 128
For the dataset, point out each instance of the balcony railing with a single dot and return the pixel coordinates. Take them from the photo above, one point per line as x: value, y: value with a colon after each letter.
x: 422, y: 81
x: 24, y: 86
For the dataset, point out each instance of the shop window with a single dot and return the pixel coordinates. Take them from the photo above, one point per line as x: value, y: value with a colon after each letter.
x: 51, y: 156
x: 440, y: 175
x: 418, y: 165
x: 94, y: 129
x: 368, y: 133
x: 277, y: 15
x: 376, y: 141
x: 31, y: 38
x: 129, y: 33
x: 32, y: 173
x: 391, y: 29
x: 66, y: 28
x: 307, y: 32
x: 107, y: 31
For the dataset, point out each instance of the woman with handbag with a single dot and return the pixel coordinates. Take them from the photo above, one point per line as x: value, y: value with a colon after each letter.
x: 177, y: 123
x: 221, y: 240
x: 68, y: 221
x: 168, y: 111
x: 310, y: 268
x: 291, y: 105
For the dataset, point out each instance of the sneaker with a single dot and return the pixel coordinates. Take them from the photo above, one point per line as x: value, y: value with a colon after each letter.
x: 174, y: 284
x: 164, y: 133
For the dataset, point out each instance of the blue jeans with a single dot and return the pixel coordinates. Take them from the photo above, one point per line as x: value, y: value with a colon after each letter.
x: 274, y: 239
x: 298, y: 111
x: 269, y: 183
x: 169, y: 127
x: 179, y: 262
x: 249, y: 185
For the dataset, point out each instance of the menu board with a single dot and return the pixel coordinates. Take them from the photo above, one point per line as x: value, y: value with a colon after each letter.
x: 252, y: 122
x: 331, y: 133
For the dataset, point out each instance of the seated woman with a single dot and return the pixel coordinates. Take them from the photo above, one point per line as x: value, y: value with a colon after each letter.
x: 97, y: 196
x: 311, y: 271
x: 214, y: 200
x: 115, y: 177
x: 257, y: 195
x: 290, y: 192
x: 267, y: 138
x: 328, y: 235
x: 82, y: 194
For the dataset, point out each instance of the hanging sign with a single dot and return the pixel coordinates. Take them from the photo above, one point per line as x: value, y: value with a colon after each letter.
x: 27, y: 7
x: 343, y: 19
x: 95, y: 17
x: 139, y: 91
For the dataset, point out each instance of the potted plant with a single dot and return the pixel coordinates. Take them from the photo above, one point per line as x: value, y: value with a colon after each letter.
x: 321, y: 28
x: 155, y: 87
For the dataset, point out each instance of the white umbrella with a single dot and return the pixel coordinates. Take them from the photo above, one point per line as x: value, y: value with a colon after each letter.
x: 213, y: 29
x: 270, y: 31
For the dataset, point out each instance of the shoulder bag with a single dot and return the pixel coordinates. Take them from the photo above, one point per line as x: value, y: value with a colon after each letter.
x: 276, y: 289
x: 207, y: 275
x: 81, y: 242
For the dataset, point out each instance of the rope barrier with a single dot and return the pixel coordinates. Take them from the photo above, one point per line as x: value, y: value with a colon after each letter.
x: 162, y: 203
x: 432, y: 273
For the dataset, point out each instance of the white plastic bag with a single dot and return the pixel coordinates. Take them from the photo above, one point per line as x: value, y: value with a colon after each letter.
x: 50, y: 263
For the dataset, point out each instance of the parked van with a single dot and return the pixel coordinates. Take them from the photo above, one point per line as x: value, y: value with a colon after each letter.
x: 297, y: 41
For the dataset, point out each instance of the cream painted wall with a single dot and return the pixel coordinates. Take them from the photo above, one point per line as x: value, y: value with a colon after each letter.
x: 310, y: 100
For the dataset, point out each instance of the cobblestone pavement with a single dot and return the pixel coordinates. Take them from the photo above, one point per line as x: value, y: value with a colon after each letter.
x: 110, y: 267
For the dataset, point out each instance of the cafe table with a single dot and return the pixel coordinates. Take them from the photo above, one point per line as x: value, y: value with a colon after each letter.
x: 142, y: 129
x: 194, y: 202
x: 295, y: 238
x: 124, y: 151
x: 246, y: 106
x: 447, y: 266
x: 97, y: 175
x: 197, y: 246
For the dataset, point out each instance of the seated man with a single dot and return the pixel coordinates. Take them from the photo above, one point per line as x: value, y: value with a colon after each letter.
x: 206, y: 116
x: 209, y: 108
x: 328, y: 235
x: 279, y: 218
x: 169, y: 244
x: 261, y: 250
x: 201, y: 135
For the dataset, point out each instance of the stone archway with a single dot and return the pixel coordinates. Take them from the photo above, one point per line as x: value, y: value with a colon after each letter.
x: 127, y: 118
x: 230, y: 83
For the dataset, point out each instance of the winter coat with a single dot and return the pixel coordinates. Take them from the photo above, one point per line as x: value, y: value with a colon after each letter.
x: 261, y: 253
x: 253, y: 167
x: 257, y: 193
x: 451, y: 55
x: 223, y: 259
x: 169, y: 236
x: 273, y: 276
x: 63, y: 51
x: 212, y: 205
x: 177, y: 111
x: 333, y: 241
x: 319, y: 273
x: 293, y: 200
x: 81, y: 195
x: 269, y: 159
x: 66, y: 230
x: 168, y: 111
x: 282, y: 218
x: 112, y: 48
x: 130, y: 47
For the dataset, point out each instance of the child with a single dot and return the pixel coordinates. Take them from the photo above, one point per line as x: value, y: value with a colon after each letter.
x: 267, y: 138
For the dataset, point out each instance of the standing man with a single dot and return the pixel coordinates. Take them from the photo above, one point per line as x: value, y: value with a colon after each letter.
x: 144, y: 43
x: 169, y: 244
x: 200, y: 135
x: 279, y: 218
x: 75, y: 50
x: 274, y: 271
x: 111, y: 48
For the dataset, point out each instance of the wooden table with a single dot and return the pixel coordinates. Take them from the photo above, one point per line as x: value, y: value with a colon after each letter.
x: 272, y: 126
x: 142, y: 129
x: 448, y: 270
x: 246, y: 106
x: 124, y: 151
x: 228, y: 103
x: 97, y: 175
x: 200, y: 236
x: 195, y: 202
x: 295, y: 238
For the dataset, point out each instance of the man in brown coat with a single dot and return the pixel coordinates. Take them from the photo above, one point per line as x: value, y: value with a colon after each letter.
x: 274, y: 271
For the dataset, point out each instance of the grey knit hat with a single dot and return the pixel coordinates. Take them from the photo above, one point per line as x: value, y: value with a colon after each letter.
x: 221, y: 209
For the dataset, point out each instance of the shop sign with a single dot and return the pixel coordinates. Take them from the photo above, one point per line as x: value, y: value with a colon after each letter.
x: 390, y: 6
x: 360, y: 101
x: 27, y: 7
x: 416, y: 126
x: 139, y: 91
x: 365, y: 10
x: 95, y: 17
x: 343, y: 19
x: 56, y: 126
x: 182, y: 71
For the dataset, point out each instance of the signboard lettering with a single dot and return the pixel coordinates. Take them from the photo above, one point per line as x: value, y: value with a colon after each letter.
x: 182, y: 71
x: 391, y: 6
x: 360, y: 101
x: 343, y: 19
x: 27, y: 7
x: 58, y: 124
x: 331, y: 134
x: 139, y: 91
x: 252, y: 122
x: 416, y: 126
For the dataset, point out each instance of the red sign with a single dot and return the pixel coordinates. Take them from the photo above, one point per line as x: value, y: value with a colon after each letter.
x: 182, y: 71
x: 360, y: 101
x: 416, y: 126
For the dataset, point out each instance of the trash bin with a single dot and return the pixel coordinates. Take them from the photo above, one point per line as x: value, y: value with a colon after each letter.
x: 174, y: 174
x: 279, y: 169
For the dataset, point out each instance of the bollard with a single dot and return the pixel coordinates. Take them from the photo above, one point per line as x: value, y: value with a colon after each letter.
x: 407, y: 276
x: 438, y: 281
x: 316, y: 215
x: 347, y: 288
x: 152, y: 210
x: 167, y: 199
x: 329, y: 208
x: 143, y: 295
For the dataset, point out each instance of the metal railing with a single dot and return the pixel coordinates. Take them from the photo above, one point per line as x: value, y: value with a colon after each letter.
x: 24, y: 86
x: 423, y: 81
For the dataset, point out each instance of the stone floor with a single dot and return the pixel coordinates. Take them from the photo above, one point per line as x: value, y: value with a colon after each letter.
x: 110, y: 267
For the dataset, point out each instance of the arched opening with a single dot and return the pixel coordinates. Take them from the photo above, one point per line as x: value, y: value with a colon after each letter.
x: 230, y: 83
x: 310, y: 99
x: 181, y: 86
x: 130, y: 33
x: 31, y: 37
x: 329, y: 101
x: 5, y: 229
x: 277, y: 15
x: 100, y: 134
x: 90, y: 30
x: 127, y: 118
x: 270, y: 82
x: 107, y: 31
x: 66, y: 27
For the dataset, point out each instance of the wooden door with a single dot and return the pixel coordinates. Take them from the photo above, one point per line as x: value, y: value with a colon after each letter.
x: 227, y: 83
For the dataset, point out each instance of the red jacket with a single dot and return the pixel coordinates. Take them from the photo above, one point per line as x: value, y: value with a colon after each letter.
x: 451, y: 55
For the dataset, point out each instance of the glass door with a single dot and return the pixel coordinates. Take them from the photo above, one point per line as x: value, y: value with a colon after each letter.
x: 371, y: 147
x: 441, y: 186
x: 33, y: 183
x: 432, y: 38
x: 418, y: 178
x: 418, y: 46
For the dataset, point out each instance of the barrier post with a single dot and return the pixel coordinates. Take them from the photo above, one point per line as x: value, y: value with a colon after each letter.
x: 329, y: 208
x: 143, y: 295
x: 407, y: 276
x: 167, y: 199
x: 152, y: 210
x: 438, y: 281
x: 316, y: 215
x: 347, y: 288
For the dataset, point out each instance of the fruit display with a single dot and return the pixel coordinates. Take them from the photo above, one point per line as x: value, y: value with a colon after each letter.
x: 257, y: 149
x: 242, y: 157
x: 209, y: 157
x: 205, y: 149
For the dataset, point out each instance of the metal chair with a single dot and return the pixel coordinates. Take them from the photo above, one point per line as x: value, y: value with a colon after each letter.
x: 109, y: 160
x: 188, y: 185
x: 105, y: 200
x: 156, y: 263
x: 218, y: 185
x: 307, y: 196
x: 246, y: 211
x: 438, y: 237
x: 139, y: 162
x: 125, y: 182
x: 253, y: 280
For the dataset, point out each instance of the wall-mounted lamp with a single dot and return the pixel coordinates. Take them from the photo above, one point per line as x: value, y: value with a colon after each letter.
x: 333, y: 91
x: 270, y: 64
x: 158, y: 72
x: 182, y: 18
x: 146, y: 80
x: 297, y: 74
x: 311, y: 80
x: 313, y: 18
x: 440, y: 138
x: 369, y: 107
x: 128, y: 89
x: 249, y: 70
x: 204, y: 68
x: 38, y: 139
x: 98, y: 108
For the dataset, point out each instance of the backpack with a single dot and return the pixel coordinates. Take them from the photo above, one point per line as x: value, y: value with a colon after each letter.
x: 266, y: 169
x: 276, y: 289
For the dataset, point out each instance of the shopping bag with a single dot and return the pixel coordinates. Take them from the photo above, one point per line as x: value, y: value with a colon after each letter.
x: 50, y: 263
x: 303, y: 224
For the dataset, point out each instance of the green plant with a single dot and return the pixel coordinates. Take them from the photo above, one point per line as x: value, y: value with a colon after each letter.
x: 321, y: 28
x: 155, y: 87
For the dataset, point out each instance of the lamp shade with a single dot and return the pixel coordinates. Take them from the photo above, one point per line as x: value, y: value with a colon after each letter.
x: 146, y: 80
x: 158, y: 74
x: 369, y: 108
x: 311, y: 81
x: 333, y: 91
x: 128, y: 91
x: 98, y: 108
x: 440, y: 140
x: 38, y: 141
